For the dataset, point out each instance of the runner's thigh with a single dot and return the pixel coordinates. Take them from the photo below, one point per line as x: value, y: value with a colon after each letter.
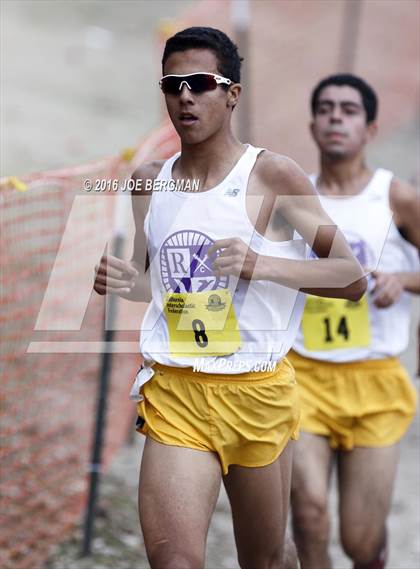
x: 259, y: 498
x: 366, y: 478
x: 312, y: 464
x: 178, y: 490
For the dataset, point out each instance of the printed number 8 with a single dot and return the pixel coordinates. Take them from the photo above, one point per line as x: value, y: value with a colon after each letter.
x: 200, y: 333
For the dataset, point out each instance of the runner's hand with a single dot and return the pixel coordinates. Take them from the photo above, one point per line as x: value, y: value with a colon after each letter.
x: 115, y: 276
x: 388, y: 289
x: 235, y: 259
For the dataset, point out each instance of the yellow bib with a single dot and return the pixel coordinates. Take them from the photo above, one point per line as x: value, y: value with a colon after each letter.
x: 335, y: 323
x: 201, y: 323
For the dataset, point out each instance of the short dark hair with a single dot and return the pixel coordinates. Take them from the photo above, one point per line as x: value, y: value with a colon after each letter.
x: 369, y: 98
x: 226, y: 52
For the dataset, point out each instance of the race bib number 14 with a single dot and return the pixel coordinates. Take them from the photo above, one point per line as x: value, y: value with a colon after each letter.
x: 201, y: 323
x: 335, y: 323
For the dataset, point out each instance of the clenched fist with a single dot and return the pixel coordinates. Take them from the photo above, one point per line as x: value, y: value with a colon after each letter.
x: 388, y: 289
x: 115, y: 276
x: 235, y: 259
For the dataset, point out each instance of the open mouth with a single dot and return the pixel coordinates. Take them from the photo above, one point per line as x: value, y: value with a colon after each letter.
x: 187, y: 118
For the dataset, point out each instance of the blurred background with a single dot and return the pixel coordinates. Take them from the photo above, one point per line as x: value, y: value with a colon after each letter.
x: 80, y: 99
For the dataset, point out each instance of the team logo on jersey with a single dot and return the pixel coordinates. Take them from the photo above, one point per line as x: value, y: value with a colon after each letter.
x: 360, y: 249
x: 185, y: 265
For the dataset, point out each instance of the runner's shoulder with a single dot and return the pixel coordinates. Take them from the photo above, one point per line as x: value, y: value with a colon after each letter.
x: 404, y: 201
x: 147, y: 171
x: 282, y: 174
x: 402, y: 195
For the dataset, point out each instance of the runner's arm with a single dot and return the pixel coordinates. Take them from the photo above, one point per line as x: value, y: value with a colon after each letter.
x: 409, y: 281
x: 405, y: 205
x: 335, y: 274
x: 130, y: 279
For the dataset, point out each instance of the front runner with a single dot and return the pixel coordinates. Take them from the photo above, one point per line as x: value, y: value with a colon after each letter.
x: 223, y: 424
x: 357, y: 400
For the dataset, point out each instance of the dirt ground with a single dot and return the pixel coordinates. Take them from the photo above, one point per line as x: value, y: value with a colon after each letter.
x: 79, y: 83
x: 118, y: 543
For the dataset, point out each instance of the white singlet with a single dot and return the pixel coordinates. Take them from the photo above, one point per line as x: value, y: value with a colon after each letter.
x: 366, y: 221
x: 181, y: 226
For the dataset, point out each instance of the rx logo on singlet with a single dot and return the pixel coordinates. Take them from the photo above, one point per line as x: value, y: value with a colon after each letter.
x: 185, y: 265
x: 360, y: 249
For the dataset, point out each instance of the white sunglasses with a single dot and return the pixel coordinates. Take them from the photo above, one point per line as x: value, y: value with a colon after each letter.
x: 196, y: 82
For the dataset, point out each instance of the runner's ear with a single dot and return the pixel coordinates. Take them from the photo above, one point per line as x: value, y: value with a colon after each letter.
x: 233, y: 95
x: 312, y: 130
x: 372, y: 129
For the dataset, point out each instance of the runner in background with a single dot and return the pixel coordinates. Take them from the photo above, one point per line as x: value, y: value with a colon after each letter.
x: 357, y: 400
x: 219, y: 288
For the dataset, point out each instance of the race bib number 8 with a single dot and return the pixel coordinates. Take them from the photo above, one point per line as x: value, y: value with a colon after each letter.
x: 201, y: 323
x: 335, y: 323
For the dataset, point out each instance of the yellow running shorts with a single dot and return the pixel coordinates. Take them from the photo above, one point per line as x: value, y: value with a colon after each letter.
x: 360, y: 404
x: 247, y: 418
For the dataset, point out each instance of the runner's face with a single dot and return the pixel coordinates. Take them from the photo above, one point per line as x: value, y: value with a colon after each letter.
x: 339, y: 125
x: 197, y: 116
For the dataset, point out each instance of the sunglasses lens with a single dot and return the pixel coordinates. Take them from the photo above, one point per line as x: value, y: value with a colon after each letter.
x: 199, y: 83
x: 170, y: 85
x: 202, y: 82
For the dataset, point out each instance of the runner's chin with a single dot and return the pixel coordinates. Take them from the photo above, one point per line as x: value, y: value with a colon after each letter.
x: 191, y: 132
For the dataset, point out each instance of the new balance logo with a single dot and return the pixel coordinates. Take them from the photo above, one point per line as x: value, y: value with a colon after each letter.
x: 232, y: 192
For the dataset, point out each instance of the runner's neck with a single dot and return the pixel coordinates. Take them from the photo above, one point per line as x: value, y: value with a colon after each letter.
x: 210, y: 161
x: 343, y: 178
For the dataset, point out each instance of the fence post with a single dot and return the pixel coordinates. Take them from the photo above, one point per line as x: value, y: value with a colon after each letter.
x: 351, y: 24
x: 240, y: 21
x: 111, y: 302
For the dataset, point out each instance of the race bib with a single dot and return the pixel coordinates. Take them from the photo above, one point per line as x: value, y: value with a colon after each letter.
x: 201, y: 323
x: 335, y: 323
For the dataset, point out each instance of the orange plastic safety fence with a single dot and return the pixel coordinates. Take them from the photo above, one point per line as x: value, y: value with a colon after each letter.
x: 48, y: 400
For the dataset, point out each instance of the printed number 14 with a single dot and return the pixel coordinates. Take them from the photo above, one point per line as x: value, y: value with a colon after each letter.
x: 342, y: 329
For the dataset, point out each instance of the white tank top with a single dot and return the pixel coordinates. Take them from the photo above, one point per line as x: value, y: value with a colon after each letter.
x: 366, y: 221
x: 180, y: 227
